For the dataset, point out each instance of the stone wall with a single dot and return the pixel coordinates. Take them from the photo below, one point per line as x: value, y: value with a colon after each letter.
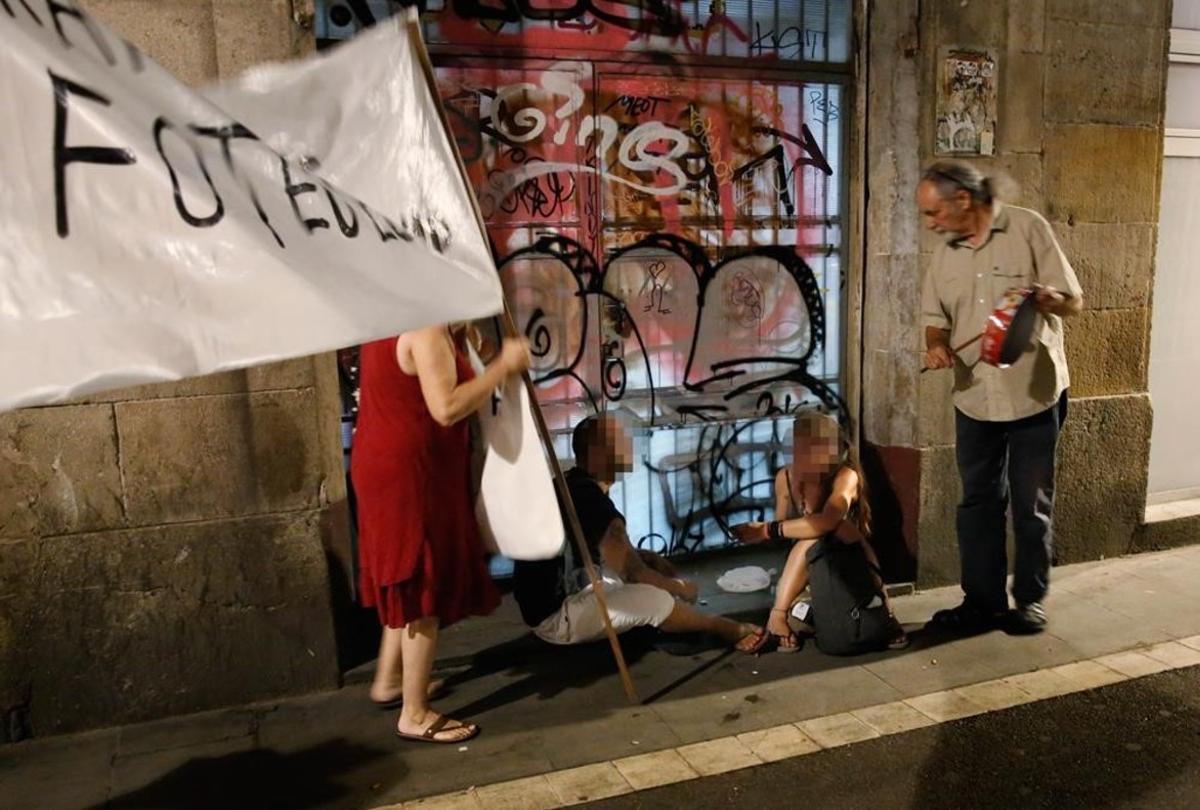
x: 1081, y: 87
x: 164, y: 549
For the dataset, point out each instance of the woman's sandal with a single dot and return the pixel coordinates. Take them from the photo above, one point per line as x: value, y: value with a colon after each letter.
x: 778, y: 639
x: 429, y: 735
x: 899, y: 639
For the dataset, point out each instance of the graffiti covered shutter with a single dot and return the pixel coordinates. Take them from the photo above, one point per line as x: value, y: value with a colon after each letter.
x: 664, y: 189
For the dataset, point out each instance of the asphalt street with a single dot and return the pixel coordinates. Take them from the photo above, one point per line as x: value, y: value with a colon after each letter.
x: 1132, y: 744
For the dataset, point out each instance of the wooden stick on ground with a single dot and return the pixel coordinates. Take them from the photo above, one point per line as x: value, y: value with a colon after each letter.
x: 560, y: 481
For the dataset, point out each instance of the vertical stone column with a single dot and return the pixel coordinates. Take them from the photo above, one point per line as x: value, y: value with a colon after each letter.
x: 891, y: 457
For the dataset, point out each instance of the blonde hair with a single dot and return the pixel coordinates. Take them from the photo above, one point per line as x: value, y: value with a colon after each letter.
x: 819, y: 425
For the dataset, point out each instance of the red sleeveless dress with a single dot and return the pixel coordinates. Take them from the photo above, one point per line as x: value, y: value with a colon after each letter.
x: 419, y: 549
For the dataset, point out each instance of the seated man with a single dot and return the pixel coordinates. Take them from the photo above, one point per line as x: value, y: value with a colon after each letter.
x: 640, y: 589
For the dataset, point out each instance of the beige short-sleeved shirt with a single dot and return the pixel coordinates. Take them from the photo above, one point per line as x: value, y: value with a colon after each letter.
x: 961, y: 290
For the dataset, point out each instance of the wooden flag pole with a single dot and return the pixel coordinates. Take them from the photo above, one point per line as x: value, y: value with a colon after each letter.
x: 560, y: 481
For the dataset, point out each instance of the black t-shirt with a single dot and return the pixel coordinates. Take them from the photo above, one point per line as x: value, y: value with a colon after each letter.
x: 595, y: 509
x: 538, y: 584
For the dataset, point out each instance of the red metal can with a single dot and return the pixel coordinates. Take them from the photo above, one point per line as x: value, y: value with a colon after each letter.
x: 1009, y: 328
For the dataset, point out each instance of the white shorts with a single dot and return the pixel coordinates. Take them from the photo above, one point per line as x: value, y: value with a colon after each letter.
x: 578, y: 620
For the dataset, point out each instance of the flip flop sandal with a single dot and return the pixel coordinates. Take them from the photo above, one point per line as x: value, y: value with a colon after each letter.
x: 429, y: 735
x: 899, y: 639
x: 777, y: 639
x: 762, y: 638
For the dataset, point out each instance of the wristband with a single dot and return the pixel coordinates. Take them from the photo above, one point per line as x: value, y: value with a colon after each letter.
x: 775, y: 530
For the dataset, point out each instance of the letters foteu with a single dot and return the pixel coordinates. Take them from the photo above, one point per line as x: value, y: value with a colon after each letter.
x: 316, y: 204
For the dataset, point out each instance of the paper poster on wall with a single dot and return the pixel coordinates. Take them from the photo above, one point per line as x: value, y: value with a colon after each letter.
x: 966, y: 103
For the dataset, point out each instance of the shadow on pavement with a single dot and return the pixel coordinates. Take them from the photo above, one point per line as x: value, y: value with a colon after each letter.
x: 261, y: 778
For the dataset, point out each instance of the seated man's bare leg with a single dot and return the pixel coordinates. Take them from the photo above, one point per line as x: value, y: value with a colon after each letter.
x: 686, y: 619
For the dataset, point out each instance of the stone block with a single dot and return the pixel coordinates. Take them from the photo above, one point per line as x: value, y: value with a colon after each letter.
x: 59, y: 471
x: 250, y: 32
x: 1108, y: 74
x: 1114, y: 263
x: 1022, y: 81
x: 937, y: 552
x: 1107, y: 351
x: 1165, y: 534
x: 1103, y: 460
x: 892, y: 302
x: 1152, y: 13
x: 145, y: 623
x: 895, y: 115
x: 221, y: 456
x: 1102, y: 173
x: 1026, y: 26
x: 297, y: 372
x: 18, y: 561
x: 935, y: 426
x: 1019, y: 178
x: 889, y: 397
x: 178, y: 34
x: 975, y: 23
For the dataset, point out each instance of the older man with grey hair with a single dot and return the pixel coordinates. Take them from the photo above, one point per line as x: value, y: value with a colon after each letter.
x: 1007, y: 420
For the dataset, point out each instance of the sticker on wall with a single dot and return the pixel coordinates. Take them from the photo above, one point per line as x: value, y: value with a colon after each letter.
x: 966, y: 103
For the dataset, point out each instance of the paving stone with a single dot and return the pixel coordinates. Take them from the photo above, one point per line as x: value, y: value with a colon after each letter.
x: 655, y: 769
x: 944, y: 706
x: 588, y: 783
x: 838, y: 729
x: 994, y: 695
x: 780, y: 742
x: 893, y: 718
x: 1089, y: 674
x: 1174, y: 654
x: 718, y: 756
x: 532, y: 793
x: 1042, y: 684
x: 1132, y: 664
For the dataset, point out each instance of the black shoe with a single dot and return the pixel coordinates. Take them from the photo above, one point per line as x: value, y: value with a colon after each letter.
x: 966, y: 618
x: 1028, y: 619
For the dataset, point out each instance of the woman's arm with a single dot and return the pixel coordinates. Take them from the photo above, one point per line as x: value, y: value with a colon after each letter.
x: 449, y: 402
x: 834, y: 511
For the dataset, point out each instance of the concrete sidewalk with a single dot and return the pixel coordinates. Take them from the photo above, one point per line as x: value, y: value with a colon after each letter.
x: 545, y: 709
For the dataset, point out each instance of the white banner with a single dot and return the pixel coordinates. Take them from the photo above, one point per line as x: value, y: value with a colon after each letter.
x: 516, y: 507
x: 149, y: 233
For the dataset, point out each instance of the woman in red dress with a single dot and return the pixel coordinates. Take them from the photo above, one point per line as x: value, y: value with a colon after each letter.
x: 422, y: 562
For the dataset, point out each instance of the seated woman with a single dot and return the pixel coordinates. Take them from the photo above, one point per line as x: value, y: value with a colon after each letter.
x: 822, y: 493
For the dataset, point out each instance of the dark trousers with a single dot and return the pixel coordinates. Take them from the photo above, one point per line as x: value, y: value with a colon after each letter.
x: 999, y: 463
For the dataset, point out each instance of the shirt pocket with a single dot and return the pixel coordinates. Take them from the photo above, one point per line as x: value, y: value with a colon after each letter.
x: 1001, y: 280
